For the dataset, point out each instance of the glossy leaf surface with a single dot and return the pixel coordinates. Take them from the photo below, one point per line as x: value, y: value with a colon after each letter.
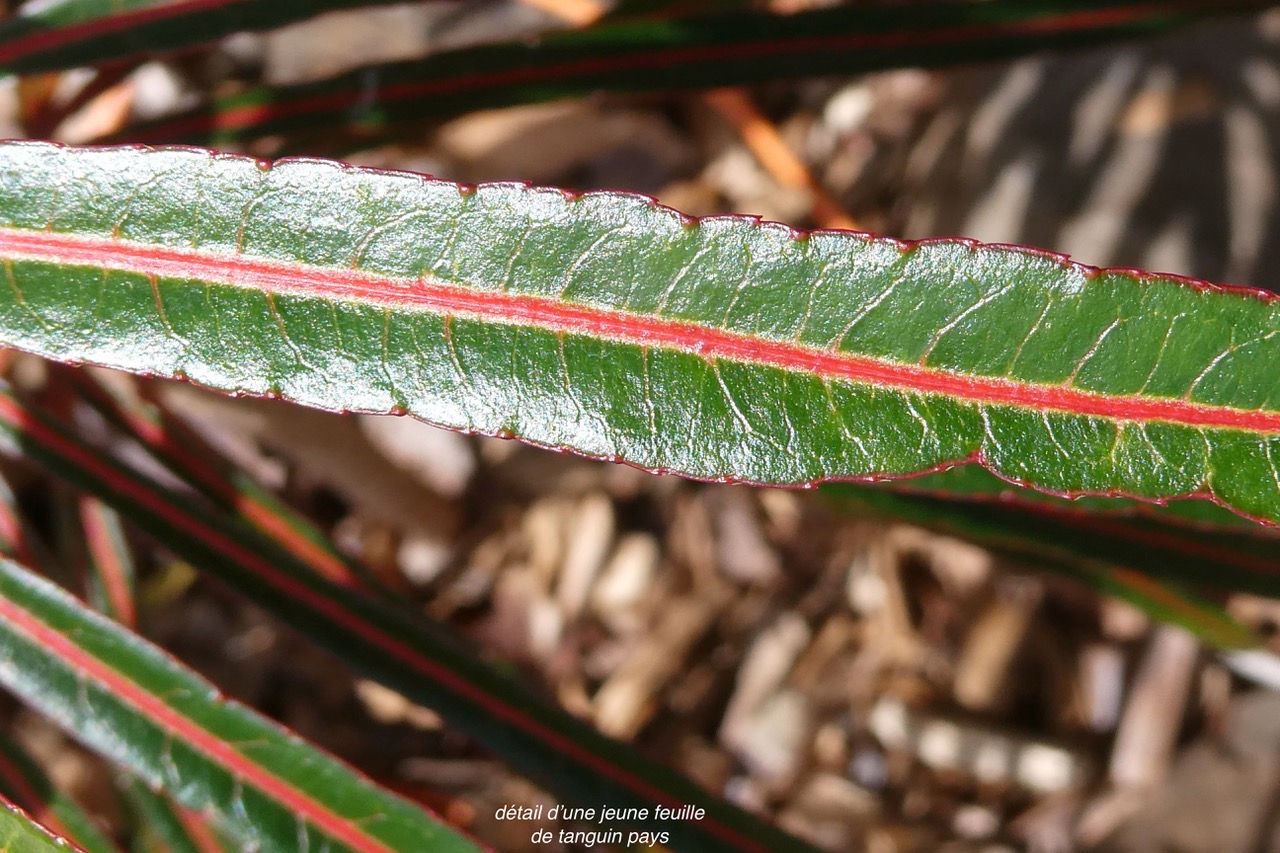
x: 141, y: 709
x: 724, y: 349
x: 690, y: 53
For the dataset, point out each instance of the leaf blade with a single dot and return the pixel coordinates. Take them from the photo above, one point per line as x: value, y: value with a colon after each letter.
x: 163, y: 826
x: 731, y: 349
x: 138, y: 707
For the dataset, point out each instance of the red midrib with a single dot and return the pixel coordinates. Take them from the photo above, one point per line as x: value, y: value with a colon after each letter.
x: 644, y: 330
x: 110, y: 569
x: 185, y: 729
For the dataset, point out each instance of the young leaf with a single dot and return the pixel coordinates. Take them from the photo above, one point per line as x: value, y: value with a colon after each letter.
x: 1226, y: 559
x: 68, y: 33
x: 726, y: 349
x: 421, y: 660
x: 1169, y: 602
x: 142, y: 710
x: 698, y: 52
x: 107, y: 561
x: 24, y: 784
x: 184, y: 453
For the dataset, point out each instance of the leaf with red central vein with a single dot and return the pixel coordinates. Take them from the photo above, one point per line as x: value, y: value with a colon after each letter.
x: 68, y: 33
x: 20, y: 834
x: 184, y: 453
x: 141, y: 709
x: 107, y: 562
x: 1143, y: 561
x: 725, y: 349
x: 23, y: 783
x: 661, y: 56
x: 418, y: 658
x: 1225, y: 559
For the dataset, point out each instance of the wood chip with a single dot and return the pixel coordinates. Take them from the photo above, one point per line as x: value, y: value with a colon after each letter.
x: 587, y: 541
x: 1153, y: 714
x: 625, y: 581
x: 627, y: 701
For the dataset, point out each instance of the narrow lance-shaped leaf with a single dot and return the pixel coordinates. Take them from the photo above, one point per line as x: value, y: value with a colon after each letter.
x: 1224, y: 559
x: 1156, y: 587
x: 659, y: 56
x: 99, y: 548
x: 416, y: 657
x: 24, y: 784
x: 68, y: 33
x: 20, y: 834
x: 725, y: 349
x: 141, y: 709
x: 104, y: 558
x: 190, y: 458
x: 1168, y: 601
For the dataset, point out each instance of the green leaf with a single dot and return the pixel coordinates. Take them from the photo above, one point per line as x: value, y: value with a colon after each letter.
x: 139, y: 708
x: 24, y: 784
x: 1225, y: 559
x: 1155, y: 564
x: 68, y: 33
x: 420, y: 659
x: 190, y: 458
x: 104, y: 558
x: 725, y: 349
x: 689, y: 53
x: 20, y: 834
x: 1168, y: 601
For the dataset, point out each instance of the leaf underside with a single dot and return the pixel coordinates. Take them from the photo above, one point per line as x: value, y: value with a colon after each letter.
x: 725, y: 349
